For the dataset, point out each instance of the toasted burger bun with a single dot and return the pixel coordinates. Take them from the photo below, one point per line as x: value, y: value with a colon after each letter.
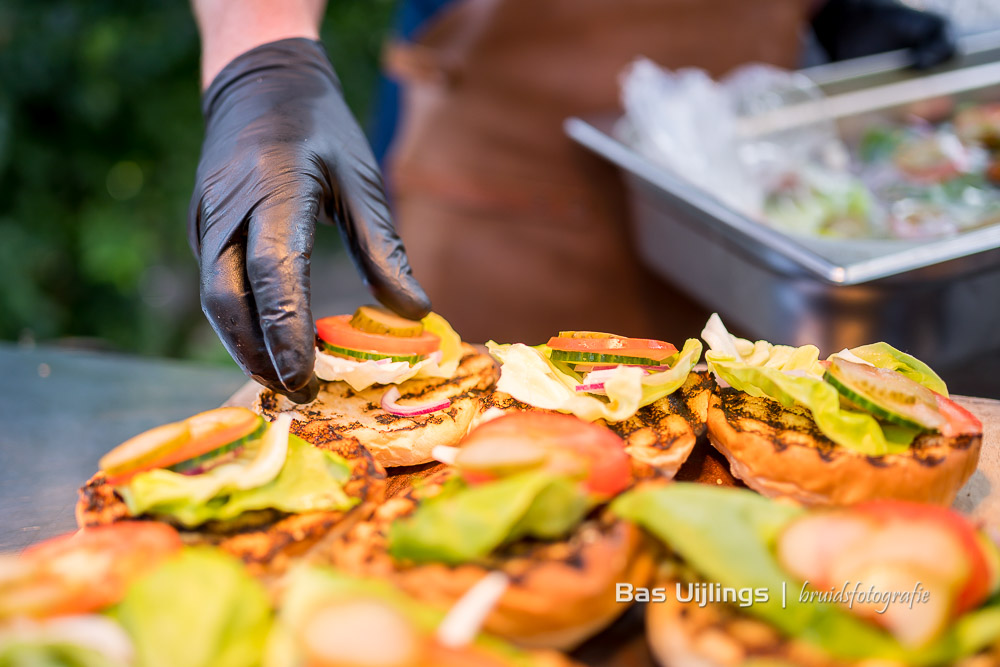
x: 341, y: 414
x: 659, y: 437
x: 560, y: 593
x: 267, y: 541
x: 780, y: 451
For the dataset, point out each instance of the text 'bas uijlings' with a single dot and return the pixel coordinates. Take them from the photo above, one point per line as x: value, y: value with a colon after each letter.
x: 700, y: 594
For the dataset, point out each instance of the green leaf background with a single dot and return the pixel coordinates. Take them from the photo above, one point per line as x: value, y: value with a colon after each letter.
x: 100, y: 130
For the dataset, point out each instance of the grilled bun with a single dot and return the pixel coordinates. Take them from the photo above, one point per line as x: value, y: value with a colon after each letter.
x: 560, y: 593
x: 340, y: 414
x: 780, y: 452
x: 659, y: 437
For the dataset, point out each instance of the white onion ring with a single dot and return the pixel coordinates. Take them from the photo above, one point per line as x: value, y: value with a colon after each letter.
x: 389, y: 404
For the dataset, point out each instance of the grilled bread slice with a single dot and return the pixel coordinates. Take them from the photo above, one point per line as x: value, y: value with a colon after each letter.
x: 659, y: 437
x: 341, y: 414
x: 779, y: 451
x: 267, y: 541
x: 560, y: 592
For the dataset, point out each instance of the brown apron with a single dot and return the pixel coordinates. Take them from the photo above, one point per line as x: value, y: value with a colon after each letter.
x: 513, y: 230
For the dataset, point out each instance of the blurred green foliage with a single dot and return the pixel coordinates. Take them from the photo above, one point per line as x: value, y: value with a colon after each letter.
x: 100, y: 130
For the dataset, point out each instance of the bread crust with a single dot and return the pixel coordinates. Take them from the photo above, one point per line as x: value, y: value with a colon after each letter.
x: 780, y: 452
x: 658, y: 438
x: 560, y: 592
x: 341, y: 414
x: 266, y: 541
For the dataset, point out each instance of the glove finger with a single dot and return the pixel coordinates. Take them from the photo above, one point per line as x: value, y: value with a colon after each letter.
x: 372, y: 240
x: 228, y: 304
x: 279, y: 247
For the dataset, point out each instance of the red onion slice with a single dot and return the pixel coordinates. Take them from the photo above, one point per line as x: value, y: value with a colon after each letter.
x: 592, y: 388
x: 389, y: 404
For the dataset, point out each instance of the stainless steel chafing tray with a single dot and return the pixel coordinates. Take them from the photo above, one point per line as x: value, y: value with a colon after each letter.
x: 937, y: 299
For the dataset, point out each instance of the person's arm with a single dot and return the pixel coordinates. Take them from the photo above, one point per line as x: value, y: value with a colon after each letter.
x: 281, y: 152
x: 231, y: 27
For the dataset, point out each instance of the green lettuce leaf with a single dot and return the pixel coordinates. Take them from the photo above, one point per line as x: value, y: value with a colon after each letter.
x: 310, y: 588
x: 729, y: 536
x: 465, y: 523
x: 531, y: 377
x: 311, y: 479
x: 200, y: 609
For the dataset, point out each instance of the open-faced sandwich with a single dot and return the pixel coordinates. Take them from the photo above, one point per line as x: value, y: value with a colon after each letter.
x: 753, y: 581
x: 642, y: 389
x: 870, y: 422
x: 329, y: 619
x: 228, y: 478
x: 399, y: 387
x: 129, y: 594
x: 524, y: 498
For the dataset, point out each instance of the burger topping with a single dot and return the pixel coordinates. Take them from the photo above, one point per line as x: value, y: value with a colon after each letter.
x: 377, y: 353
x: 390, y: 405
x: 190, y: 446
x: 895, y: 398
x: 274, y: 471
x: 526, y: 474
x: 379, y: 320
x: 338, y: 332
x: 894, y: 544
x: 84, y: 571
x: 631, y: 372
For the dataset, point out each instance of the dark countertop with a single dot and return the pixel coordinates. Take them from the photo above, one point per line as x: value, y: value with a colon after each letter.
x: 61, y: 410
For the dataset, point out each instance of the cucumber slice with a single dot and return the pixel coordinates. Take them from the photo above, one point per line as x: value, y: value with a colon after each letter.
x: 363, y: 355
x: 886, y: 394
x: 375, y: 319
x: 586, y: 334
x: 145, y: 447
x: 599, y: 358
x: 201, y: 460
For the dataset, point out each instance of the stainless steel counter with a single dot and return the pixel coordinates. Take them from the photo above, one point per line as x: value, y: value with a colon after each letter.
x: 61, y: 410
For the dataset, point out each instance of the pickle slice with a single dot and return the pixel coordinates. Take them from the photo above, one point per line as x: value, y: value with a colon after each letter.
x: 586, y: 334
x: 376, y: 319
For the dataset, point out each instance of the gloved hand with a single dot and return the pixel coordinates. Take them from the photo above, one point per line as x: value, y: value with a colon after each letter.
x: 854, y: 28
x: 282, y: 151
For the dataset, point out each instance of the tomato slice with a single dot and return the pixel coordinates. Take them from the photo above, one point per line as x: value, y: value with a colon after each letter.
x: 338, y: 331
x: 91, y: 569
x: 209, y: 430
x: 958, y: 420
x: 572, y: 445
x: 978, y: 584
x: 646, y: 348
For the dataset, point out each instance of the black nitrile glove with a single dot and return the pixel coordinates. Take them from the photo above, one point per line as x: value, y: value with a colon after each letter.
x: 854, y: 28
x: 282, y: 151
